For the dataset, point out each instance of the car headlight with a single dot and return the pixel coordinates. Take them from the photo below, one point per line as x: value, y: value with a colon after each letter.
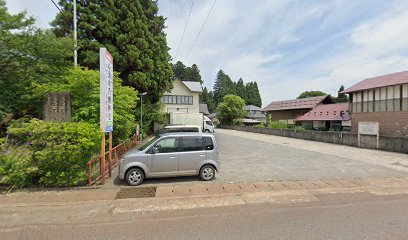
x: 122, y: 160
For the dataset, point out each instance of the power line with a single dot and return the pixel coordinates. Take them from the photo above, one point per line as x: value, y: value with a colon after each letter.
x: 202, y: 27
x: 56, y: 5
x: 185, y: 27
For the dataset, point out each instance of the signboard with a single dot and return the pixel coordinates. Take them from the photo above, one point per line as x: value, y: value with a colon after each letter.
x: 106, y: 90
x: 368, y: 128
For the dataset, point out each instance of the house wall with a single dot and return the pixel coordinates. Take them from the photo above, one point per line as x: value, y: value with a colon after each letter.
x: 179, y: 89
x: 286, y: 114
x: 386, y: 105
x: 393, y: 124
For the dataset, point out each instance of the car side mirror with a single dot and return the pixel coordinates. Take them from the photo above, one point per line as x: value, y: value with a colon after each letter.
x: 155, y: 150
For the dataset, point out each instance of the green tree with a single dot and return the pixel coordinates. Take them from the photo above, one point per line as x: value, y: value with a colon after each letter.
x: 27, y: 55
x: 341, y: 97
x: 208, y: 98
x: 252, y: 94
x: 230, y: 108
x: 193, y: 74
x: 308, y: 94
x: 132, y: 31
x: 223, y: 86
x: 187, y: 73
x: 179, y: 70
x: 240, y: 88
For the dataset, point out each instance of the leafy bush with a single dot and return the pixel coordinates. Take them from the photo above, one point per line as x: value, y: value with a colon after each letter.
x: 277, y: 125
x: 48, y: 153
x: 16, y: 168
x: 237, y: 122
x: 232, y: 107
x: 261, y: 125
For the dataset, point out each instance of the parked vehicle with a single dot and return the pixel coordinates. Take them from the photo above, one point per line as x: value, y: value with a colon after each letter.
x: 180, y: 129
x: 171, y: 154
x: 197, y: 119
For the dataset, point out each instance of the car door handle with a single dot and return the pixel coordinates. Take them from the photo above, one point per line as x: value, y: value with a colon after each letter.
x: 202, y: 155
x: 173, y: 156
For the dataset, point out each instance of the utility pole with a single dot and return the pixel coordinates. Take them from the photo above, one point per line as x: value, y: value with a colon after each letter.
x: 141, y: 114
x: 75, y: 35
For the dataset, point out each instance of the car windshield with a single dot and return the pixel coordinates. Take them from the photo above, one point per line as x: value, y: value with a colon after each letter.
x: 148, y: 143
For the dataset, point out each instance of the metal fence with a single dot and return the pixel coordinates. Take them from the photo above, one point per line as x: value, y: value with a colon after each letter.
x: 112, y: 160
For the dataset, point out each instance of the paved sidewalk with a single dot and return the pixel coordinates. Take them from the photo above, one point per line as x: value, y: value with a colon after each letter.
x: 374, y: 185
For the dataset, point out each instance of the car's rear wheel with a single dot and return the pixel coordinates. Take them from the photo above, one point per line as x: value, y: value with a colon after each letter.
x: 135, y: 176
x: 207, y: 173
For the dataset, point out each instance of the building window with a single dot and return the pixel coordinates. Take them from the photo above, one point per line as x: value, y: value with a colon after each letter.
x: 181, y: 100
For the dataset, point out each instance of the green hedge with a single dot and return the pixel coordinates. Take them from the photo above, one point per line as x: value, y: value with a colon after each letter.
x: 47, y: 153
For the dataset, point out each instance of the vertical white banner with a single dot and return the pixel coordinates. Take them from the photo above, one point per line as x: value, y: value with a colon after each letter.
x: 106, y: 90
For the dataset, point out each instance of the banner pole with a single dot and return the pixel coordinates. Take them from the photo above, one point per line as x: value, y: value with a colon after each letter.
x: 103, y: 159
x: 110, y: 154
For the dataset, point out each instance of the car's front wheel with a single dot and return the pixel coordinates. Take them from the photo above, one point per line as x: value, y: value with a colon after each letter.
x: 135, y: 176
x: 207, y: 173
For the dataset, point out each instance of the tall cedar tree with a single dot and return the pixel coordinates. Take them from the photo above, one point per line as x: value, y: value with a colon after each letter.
x: 253, y: 97
x: 187, y: 73
x: 341, y: 97
x: 131, y: 30
x: 223, y: 86
x: 241, y: 91
x: 208, y: 98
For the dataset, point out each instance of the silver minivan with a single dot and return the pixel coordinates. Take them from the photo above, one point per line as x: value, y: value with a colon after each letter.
x: 171, y: 154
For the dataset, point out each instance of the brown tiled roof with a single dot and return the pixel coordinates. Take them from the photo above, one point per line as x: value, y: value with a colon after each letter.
x: 327, y: 112
x: 381, y: 81
x: 303, y: 103
x: 203, y: 108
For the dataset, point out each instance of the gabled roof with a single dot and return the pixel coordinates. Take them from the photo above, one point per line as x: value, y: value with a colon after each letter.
x: 193, y: 86
x: 203, y: 108
x: 253, y: 108
x: 327, y: 112
x: 381, y: 81
x: 303, y: 103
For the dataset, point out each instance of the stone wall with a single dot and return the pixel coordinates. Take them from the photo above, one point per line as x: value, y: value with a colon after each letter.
x: 392, y: 144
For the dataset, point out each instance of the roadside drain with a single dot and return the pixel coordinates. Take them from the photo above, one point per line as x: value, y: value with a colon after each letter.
x: 136, y: 192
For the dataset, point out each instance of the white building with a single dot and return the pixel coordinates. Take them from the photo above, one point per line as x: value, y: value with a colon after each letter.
x: 184, y: 97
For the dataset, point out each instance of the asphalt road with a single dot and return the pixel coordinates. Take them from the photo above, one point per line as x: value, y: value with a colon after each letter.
x: 252, y: 157
x: 335, y: 216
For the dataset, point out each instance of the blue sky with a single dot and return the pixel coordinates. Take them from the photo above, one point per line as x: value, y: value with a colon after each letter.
x: 287, y: 46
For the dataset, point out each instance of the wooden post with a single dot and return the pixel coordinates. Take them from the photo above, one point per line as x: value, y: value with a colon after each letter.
x: 103, y: 159
x: 110, y: 154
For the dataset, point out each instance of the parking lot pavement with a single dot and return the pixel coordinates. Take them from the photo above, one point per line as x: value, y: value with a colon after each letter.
x: 255, y: 157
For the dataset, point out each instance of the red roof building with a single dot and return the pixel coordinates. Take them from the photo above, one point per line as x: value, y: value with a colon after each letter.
x: 382, y: 99
x: 326, y: 117
x: 289, y: 110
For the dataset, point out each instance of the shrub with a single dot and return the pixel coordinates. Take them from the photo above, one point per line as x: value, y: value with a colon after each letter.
x: 261, y: 125
x: 54, y: 154
x: 16, y: 166
x: 237, y: 122
x: 232, y: 107
x: 277, y: 125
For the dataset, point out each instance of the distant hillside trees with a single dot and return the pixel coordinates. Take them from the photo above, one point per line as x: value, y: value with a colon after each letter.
x: 308, y: 94
x: 223, y: 86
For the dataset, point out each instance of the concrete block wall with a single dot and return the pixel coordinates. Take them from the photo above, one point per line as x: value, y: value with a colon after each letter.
x: 392, y: 144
